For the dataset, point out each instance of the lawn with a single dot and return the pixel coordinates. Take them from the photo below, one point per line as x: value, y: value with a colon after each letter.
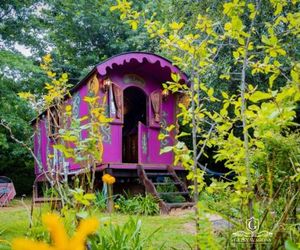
x: 174, y: 230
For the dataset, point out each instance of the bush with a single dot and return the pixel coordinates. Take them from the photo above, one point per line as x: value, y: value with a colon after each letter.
x: 143, y: 205
x: 100, y: 201
x: 118, y: 237
x: 170, y: 198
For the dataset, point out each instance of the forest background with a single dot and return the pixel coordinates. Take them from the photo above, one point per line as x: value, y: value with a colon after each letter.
x: 78, y: 35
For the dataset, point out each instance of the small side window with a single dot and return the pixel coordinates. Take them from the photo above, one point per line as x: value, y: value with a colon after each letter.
x: 54, y: 122
x: 118, y: 98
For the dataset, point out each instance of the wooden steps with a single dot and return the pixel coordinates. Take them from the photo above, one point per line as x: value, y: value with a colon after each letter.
x: 54, y: 202
x: 155, y: 174
x: 173, y: 193
x: 181, y: 205
x: 46, y: 199
x: 166, y: 183
x: 167, y: 187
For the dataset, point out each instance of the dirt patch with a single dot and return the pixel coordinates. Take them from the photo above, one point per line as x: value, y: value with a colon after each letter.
x: 181, y: 212
x: 218, y: 223
x: 189, y: 227
x: 16, y: 205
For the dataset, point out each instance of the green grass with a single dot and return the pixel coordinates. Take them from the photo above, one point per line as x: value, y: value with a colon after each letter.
x: 174, y: 229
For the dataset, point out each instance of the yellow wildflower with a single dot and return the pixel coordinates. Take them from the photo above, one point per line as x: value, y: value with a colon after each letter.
x: 176, y: 26
x: 51, y: 74
x: 108, y: 179
x: 47, y: 59
x: 68, y: 108
x: 26, y: 95
x: 60, y: 239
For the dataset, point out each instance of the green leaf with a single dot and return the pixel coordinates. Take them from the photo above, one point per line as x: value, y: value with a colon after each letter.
x: 225, y: 95
x: 182, y: 134
x: 259, y: 95
x: 175, y: 77
x: 166, y: 150
x: 90, y: 196
x: 82, y: 214
x: 236, y: 55
x: 210, y: 92
x: 289, y: 245
x: 161, y: 136
x: 170, y: 128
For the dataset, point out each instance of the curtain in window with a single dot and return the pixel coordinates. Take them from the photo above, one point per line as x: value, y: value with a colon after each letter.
x: 118, y: 100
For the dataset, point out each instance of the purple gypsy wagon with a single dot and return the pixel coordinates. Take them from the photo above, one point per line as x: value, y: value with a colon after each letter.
x: 7, y: 190
x: 139, y: 110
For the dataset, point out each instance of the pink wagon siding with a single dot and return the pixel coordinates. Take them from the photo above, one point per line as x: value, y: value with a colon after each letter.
x: 137, y: 70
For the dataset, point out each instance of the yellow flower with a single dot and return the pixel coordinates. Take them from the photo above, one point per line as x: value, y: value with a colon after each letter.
x: 47, y: 59
x: 51, y: 74
x: 117, y: 206
x: 176, y: 26
x: 60, y: 239
x: 68, y: 108
x: 108, y: 179
x: 26, y: 95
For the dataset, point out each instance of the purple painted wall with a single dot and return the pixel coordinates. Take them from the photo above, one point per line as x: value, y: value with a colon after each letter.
x: 141, y: 70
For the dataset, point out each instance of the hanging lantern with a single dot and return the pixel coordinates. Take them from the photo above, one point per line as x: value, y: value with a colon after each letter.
x: 106, y: 84
x: 165, y: 93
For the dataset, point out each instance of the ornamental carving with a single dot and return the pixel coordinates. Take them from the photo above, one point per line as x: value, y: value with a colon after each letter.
x: 76, y: 105
x: 106, y: 133
x: 164, y: 125
x: 93, y: 86
x: 156, y: 104
x: 39, y: 145
x: 144, y: 144
x: 133, y: 79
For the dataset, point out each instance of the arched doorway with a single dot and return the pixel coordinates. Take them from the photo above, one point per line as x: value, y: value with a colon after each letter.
x: 134, y: 112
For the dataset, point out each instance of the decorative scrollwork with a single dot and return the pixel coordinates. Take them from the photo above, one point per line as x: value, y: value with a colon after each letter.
x: 76, y: 105
x: 39, y: 145
x: 164, y: 125
x: 106, y: 133
x: 144, y: 144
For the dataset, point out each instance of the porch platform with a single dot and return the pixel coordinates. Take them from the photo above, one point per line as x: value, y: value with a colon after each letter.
x: 134, y: 166
x: 119, y: 167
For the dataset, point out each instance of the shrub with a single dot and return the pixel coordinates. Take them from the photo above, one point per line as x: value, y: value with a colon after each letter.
x: 119, y: 237
x: 50, y: 192
x: 143, y: 205
x: 170, y: 198
x: 100, y: 201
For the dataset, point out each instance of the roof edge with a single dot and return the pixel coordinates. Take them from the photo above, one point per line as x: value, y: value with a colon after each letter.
x: 112, y: 60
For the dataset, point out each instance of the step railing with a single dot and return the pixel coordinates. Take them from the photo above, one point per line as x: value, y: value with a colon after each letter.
x: 150, y: 188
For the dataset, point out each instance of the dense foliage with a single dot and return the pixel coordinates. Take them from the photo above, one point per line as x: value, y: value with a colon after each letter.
x: 142, y: 205
x: 250, y: 127
x: 242, y: 100
x: 79, y: 35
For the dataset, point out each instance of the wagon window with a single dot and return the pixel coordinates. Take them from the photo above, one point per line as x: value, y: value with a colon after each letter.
x: 118, y: 98
x: 53, y: 119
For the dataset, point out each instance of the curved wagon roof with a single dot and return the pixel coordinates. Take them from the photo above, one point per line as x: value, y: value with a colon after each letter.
x: 152, y: 64
x: 4, y: 179
x: 131, y: 60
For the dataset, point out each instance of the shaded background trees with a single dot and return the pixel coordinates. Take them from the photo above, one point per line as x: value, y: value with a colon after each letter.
x: 78, y: 34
